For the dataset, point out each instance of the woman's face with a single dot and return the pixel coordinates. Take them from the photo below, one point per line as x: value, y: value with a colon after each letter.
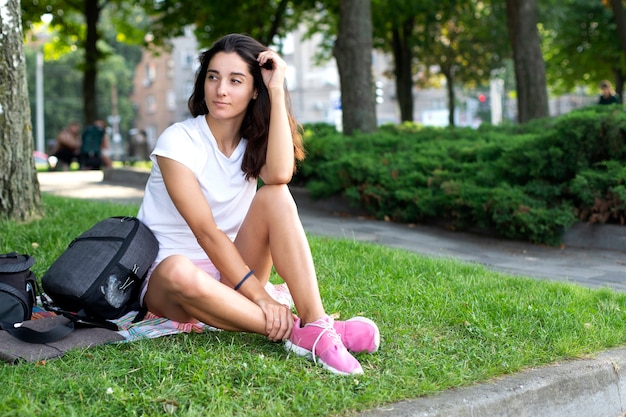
x: 228, y: 87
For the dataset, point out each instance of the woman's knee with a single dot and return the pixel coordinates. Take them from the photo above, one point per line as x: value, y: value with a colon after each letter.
x: 177, y: 275
x: 175, y: 284
x: 278, y: 198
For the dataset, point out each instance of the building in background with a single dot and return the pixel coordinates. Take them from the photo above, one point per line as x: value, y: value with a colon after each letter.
x: 162, y: 84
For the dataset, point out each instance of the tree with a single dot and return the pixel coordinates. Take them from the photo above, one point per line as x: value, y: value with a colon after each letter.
x: 63, y: 94
x: 403, y: 66
x: 530, y: 72
x: 20, y: 198
x: 464, y: 41
x: 620, y: 21
x: 78, y: 23
x: 461, y: 39
x: 394, y: 31
x: 354, y: 61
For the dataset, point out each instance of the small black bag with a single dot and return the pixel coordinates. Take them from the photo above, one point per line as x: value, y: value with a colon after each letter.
x: 17, y: 298
x: 17, y: 287
x: 100, y: 273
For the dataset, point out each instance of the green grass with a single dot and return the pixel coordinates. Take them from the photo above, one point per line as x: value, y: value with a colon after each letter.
x: 443, y: 323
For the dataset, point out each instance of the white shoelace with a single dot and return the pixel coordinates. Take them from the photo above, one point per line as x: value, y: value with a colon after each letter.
x: 327, y: 328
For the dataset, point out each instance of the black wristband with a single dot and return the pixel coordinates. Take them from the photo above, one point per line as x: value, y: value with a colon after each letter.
x: 248, y: 275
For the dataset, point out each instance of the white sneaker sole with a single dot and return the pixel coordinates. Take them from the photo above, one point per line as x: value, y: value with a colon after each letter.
x: 300, y: 351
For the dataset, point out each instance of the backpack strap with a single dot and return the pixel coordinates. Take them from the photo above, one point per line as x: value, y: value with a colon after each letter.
x: 83, y: 319
x: 80, y: 318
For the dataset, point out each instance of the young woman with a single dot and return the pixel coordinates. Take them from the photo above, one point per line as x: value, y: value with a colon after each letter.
x: 218, y: 235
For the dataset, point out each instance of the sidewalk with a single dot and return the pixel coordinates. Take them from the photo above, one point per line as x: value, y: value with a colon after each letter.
x: 589, y: 388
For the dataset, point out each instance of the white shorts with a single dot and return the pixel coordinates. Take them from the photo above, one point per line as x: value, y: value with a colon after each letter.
x: 205, y: 264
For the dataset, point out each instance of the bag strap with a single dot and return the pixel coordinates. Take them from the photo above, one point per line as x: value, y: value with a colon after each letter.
x: 83, y: 319
x: 80, y: 317
x: 28, y: 335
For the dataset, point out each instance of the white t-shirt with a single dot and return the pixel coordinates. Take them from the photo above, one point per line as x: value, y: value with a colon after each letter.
x: 221, y: 179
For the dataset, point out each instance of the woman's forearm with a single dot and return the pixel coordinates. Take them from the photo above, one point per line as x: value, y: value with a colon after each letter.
x: 279, y: 160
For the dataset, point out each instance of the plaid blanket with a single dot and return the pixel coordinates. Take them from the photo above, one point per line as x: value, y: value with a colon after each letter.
x: 154, y: 326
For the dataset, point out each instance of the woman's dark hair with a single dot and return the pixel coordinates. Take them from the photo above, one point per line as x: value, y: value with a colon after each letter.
x: 255, y: 125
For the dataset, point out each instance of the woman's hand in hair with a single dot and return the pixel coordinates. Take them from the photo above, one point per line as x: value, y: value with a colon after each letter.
x: 273, y: 69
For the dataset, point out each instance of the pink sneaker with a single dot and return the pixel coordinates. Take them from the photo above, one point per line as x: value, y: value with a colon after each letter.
x: 280, y: 293
x: 319, y: 341
x: 358, y: 334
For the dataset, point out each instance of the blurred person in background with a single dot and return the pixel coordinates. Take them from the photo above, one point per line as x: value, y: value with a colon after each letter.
x: 66, y: 147
x: 608, y: 96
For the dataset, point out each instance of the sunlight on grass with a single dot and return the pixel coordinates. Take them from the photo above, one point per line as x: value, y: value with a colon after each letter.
x: 443, y: 323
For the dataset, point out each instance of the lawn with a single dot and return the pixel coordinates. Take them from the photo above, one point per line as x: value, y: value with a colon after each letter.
x: 443, y: 324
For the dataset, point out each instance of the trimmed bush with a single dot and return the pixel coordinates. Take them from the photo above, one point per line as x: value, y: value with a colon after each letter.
x: 528, y: 182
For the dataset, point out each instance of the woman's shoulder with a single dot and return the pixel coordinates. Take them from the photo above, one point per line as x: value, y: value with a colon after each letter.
x: 189, y: 124
x: 190, y: 128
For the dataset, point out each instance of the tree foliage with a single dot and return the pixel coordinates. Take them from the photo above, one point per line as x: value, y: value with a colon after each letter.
x: 264, y: 20
x: 580, y: 45
x: 77, y: 24
x: 465, y: 40
x: 63, y: 91
x: 64, y: 66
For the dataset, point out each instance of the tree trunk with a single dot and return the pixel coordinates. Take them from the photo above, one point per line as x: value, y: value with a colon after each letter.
x: 92, y: 57
x: 530, y: 69
x: 448, y: 72
x: 353, y: 52
x: 403, y: 59
x: 620, y: 21
x: 619, y: 77
x: 20, y: 198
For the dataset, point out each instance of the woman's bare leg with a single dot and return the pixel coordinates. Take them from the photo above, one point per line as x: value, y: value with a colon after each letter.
x: 272, y: 233
x: 181, y: 291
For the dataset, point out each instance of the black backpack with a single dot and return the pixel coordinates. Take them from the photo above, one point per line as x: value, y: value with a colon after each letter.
x: 99, y: 275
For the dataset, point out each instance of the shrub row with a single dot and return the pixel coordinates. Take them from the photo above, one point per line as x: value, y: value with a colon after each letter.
x: 526, y: 182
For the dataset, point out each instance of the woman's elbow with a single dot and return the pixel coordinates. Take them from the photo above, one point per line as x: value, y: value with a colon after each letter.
x: 207, y: 236
x: 278, y: 180
x: 277, y: 177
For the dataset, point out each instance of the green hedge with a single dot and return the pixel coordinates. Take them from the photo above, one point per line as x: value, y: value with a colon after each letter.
x: 528, y: 182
